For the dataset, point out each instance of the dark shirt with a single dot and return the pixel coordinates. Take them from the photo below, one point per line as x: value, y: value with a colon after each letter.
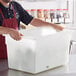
x: 21, y: 14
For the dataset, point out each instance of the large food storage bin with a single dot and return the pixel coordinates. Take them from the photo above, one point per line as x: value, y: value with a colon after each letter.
x: 40, y: 49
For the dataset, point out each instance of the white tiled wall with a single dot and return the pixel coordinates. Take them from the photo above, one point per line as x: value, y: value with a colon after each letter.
x: 52, y: 4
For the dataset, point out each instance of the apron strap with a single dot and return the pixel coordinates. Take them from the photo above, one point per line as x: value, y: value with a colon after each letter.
x: 13, y: 10
x: 1, y: 13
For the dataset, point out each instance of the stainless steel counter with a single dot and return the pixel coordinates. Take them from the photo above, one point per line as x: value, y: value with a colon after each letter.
x: 68, y: 70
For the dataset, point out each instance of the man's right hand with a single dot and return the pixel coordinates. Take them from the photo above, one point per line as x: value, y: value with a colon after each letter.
x: 15, y: 34
x: 12, y: 32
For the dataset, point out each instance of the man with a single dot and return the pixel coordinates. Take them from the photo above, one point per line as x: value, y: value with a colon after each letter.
x: 11, y: 13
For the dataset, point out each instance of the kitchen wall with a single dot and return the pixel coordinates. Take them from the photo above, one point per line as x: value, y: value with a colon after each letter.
x: 51, y: 4
x: 74, y: 9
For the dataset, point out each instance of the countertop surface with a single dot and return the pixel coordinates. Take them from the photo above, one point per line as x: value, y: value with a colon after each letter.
x: 67, y: 70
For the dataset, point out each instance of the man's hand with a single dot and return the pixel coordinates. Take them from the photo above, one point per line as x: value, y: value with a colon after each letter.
x: 58, y: 28
x: 15, y: 34
x: 22, y: 26
x: 12, y: 32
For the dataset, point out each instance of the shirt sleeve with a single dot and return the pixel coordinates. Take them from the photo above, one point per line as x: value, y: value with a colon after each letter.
x: 25, y: 17
x: 1, y: 20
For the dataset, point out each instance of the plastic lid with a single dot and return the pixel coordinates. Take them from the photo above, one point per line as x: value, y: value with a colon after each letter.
x: 58, y: 9
x: 65, y: 9
x: 46, y: 9
x: 33, y: 9
x: 52, y: 9
x: 39, y: 9
x: 28, y: 10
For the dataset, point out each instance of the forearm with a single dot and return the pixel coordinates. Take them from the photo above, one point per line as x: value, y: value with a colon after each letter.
x: 37, y: 22
x: 4, y: 30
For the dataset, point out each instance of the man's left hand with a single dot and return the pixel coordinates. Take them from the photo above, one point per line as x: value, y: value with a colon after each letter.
x: 22, y: 26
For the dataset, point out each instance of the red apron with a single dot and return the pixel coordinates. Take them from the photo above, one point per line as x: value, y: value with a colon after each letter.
x: 11, y: 23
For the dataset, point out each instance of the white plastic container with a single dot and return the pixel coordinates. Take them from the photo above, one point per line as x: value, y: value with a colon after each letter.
x: 40, y: 49
x: 73, y: 48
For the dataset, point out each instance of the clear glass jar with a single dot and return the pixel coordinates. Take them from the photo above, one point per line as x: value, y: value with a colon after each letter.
x: 40, y: 13
x: 34, y: 13
x: 46, y: 14
x: 58, y: 15
x: 66, y: 16
x: 52, y: 15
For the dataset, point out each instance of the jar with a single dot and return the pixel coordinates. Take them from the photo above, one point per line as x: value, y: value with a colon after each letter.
x: 58, y: 15
x: 40, y: 13
x: 46, y: 14
x: 52, y: 15
x: 34, y: 12
x: 66, y: 16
